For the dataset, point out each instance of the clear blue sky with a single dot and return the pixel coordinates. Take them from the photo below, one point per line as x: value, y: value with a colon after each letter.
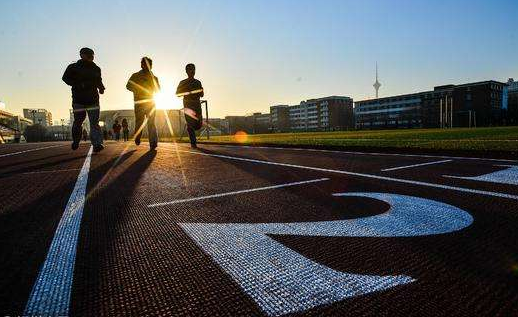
x: 253, y: 54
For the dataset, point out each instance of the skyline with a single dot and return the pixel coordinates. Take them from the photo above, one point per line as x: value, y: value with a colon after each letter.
x: 249, y: 56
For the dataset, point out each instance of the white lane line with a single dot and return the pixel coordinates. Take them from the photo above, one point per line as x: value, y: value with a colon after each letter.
x: 53, y: 171
x: 238, y: 192
x: 406, y: 181
x: 365, y: 153
x: 50, y: 294
x: 414, y: 165
x: 31, y: 150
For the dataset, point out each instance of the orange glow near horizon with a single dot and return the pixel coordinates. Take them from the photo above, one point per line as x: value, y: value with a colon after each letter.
x: 241, y: 136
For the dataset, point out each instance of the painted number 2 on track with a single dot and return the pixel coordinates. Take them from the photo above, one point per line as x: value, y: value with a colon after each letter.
x: 283, y: 281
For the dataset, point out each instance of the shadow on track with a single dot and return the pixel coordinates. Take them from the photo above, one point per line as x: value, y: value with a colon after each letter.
x: 26, y: 233
x: 107, y: 212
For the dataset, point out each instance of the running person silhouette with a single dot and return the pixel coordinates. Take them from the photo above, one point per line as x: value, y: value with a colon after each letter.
x: 144, y: 84
x: 85, y: 78
x: 191, y: 90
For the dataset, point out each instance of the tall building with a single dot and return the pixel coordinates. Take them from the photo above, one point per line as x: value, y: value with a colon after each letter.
x: 512, y: 106
x: 280, y: 118
x: 39, y: 116
x: 322, y: 114
x: 473, y: 104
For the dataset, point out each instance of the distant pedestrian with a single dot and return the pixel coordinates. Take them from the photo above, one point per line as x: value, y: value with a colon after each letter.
x: 125, y: 130
x: 117, y: 130
x: 110, y: 134
x: 144, y: 84
x: 85, y: 135
x: 85, y: 78
x: 191, y: 90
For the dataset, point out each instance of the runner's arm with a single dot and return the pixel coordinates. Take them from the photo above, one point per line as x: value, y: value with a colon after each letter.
x: 69, y: 76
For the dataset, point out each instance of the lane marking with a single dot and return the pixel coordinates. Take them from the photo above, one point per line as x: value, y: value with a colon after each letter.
x: 50, y: 295
x: 31, y: 150
x: 414, y: 165
x: 507, y: 176
x: 365, y: 153
x: 54, y: 171
x: 238, y: 192
x: 405, y: 181
x: 281, y: 280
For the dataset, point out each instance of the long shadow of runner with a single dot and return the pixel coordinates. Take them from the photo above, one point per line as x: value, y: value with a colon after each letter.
x: 7, y: 163
x: 25, y: 236
x: 329, y: 207
x: 133, y: 261
x: 40, y: 167
x: 107, y: 213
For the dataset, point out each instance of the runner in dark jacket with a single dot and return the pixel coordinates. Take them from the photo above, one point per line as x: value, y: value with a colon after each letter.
x: 191, y: 90
x: 85, y: 78
x: 144, y: 84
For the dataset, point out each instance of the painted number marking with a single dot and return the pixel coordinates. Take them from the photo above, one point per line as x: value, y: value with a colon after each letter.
x: 505, y: 176
x: 283, y: 281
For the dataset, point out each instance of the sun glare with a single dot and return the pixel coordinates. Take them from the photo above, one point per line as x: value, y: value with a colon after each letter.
x: 166, y: 99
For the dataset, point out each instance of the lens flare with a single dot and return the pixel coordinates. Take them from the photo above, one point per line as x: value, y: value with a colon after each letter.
x: 241, y: 137
x: 166, y: 99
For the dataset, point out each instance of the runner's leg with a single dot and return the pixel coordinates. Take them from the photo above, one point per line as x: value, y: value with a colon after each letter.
x: 151, y: 125
x: 95, y: 130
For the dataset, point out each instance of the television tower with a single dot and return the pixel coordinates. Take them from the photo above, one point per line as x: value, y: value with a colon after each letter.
x: 377, y: 84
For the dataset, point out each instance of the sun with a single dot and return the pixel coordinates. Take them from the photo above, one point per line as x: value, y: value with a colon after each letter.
x: 166, y: 99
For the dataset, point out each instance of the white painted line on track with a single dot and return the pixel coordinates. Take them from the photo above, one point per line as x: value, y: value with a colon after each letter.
x: 364, y: 153
x: 238, y: 192
x: 392, y: 179
x: 414, y: 165
x: 30, y: 150
x: 50, y: 295
x: 53, y: 171
x: 508, y: 176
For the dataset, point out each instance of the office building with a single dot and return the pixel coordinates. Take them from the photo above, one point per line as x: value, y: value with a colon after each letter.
x: 389, y: 112
x: 260, y: 122
x: 39, y: 116
x: 473, y: 104
x: 12, y: 126
x: 255, y: 123
x: 218, y: 126
x: 238, y: 123
x: 59, y: 132
x: 280, y: 118
x: 323, y: 114
x: 512, y: 103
